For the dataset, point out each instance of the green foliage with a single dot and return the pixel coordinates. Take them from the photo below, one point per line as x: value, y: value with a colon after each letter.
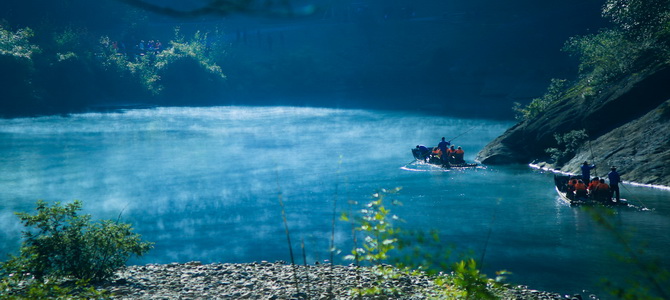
x: 568, y: 143
x: 476, y: 285
x: 379, y: 234
x: 17, y: 287
x: 149, y: 67
x: 640, y: 17
x: 604, y: 56
x: 639, y: 40
x: 198, y: 48
x: 376, y: 224
x: 554, y: 93
x: 385, y: 242
x: 68, y: 40
x: 17, y: 43
x: 60, y: 243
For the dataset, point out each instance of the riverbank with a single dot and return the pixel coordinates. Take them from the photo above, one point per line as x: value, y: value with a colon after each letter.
x: 278, y: 280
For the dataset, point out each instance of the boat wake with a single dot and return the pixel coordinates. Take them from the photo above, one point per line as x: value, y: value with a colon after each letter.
x: 417, y: 166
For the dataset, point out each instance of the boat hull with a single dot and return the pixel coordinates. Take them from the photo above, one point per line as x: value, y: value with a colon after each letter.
x: 434, y: 160
x: 561, y: 182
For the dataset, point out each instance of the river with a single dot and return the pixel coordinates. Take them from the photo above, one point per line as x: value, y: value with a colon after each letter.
x: 205, y: 183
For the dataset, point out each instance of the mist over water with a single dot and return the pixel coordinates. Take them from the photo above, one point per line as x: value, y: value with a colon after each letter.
x: 204, y: 184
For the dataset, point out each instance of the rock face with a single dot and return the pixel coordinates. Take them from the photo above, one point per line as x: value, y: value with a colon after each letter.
x: 628, y: 126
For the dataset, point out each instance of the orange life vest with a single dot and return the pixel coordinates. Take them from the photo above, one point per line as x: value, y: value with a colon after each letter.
x: 603, y: 187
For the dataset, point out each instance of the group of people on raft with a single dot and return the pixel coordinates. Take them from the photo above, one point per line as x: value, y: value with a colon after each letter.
x: 445, y: 153
x: 595, y: 189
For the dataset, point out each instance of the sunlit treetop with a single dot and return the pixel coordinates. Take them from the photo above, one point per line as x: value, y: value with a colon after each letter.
x: 638, y: 14
x: 17, y: 43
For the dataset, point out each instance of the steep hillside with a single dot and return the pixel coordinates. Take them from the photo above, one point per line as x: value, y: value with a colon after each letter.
x: 628, y: 125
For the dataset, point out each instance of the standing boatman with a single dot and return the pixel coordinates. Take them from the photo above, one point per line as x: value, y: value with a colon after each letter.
x: 615, y: 179
x: 443, y: 147
x: 586, y: 171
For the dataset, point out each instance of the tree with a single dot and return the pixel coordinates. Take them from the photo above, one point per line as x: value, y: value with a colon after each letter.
x: 60, y: 243
x: 638, y: 15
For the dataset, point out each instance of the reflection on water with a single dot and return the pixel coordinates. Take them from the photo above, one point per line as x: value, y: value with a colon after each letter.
x: 203, y: 183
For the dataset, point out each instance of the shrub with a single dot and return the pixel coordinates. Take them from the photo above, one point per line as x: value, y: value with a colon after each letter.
x: 376, y: 224
x: 149, y: 67
x: 60, y: 243
x: 19, y: 288
x: 604, y: 56
x: 554, y: 93
x: 17, y: 43
x: 639, y: 39
x: 640, y: 17
x: 568, y: 144
x: 383, y: 241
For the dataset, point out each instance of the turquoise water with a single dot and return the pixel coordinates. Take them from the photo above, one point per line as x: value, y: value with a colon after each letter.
x: 204, y: 184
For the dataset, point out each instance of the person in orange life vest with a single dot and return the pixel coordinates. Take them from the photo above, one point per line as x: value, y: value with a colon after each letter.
x: 458, y: 155
x: 437, y: 152
x: 450, y: 154
x: 593, y: 185
x: 603, y: 191
x: 571, y: 189
x: 580, y: 189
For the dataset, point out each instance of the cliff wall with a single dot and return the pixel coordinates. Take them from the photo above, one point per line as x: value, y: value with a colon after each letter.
x: 628, y: 125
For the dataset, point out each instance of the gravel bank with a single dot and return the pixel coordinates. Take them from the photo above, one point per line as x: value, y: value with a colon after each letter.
x: 277, y: 280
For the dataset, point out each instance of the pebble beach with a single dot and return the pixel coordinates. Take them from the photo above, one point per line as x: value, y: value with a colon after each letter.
x: 279, y: 280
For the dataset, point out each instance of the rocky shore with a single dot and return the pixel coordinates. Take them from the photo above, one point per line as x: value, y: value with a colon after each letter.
x: 279, y: 280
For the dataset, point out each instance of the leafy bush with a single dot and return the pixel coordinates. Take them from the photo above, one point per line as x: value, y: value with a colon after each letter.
x: 554, y: 93
x: 60, y: 243
x: 604, y: 56
x: 149, y: 67
x: 16, y: 287
x: 379, y: 234
x: 70, y: 42
x: 639, y: 39
x: 640, y: 17
x: 383, y: 242
x: 17, y: 43
x: 568, y: 144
